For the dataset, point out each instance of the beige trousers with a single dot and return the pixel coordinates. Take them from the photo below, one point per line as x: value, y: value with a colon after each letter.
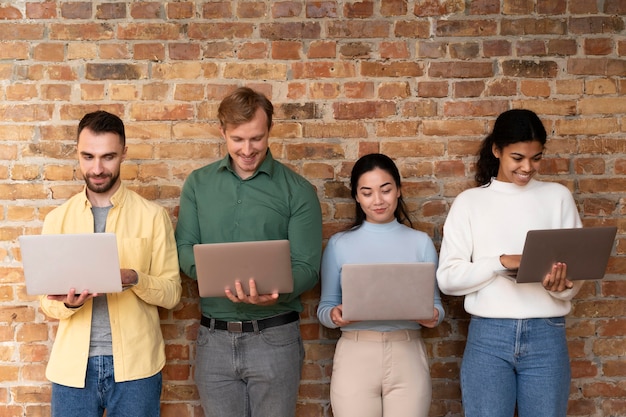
x: 380, y: 374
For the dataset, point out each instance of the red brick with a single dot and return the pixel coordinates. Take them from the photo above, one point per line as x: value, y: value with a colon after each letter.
x: 184, y: 51
x: 394, y: 50
x: 285, y: 9
x: 433, y: 89
x: 468, y: 88
x: 86, y: 31
x: 145, y: 10
x: 44, y: 10
x: 149, y: 51
x: 324, y: 90
x: 76, y: 10
x: 461, y: 69
x: 251, y: 10
x: 322, y: 49
x: 358, y: 10
x: 469, y: 28
x: 412, y: 29
x: 598, y: 46
x: 535, y: 88
x: 546, y: 26
x: 438, y: 7
x: 614, y: 7
x: 281, y: 31
x: 286, y: 50
x: 431, y: 49
x: 393, y: 7
x: 8, y: 12
x: 518, y: 7
x: 358, y: 29
x: 22, y: 32
x: 182, y: 10
x: 562, y: 47
x: 596, y: 24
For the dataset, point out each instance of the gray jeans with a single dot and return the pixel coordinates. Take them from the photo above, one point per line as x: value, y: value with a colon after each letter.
x: 249, y: 374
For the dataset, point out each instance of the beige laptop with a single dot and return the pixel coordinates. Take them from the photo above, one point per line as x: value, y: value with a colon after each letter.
x: 219, y: 265
x: 585, y: 250
x: 393, y: 291
x: 55, y: 263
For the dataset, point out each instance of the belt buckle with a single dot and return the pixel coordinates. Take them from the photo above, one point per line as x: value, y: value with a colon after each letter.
x: 234, y: 326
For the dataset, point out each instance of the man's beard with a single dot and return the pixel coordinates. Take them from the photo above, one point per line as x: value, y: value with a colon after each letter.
x: 102, y: 188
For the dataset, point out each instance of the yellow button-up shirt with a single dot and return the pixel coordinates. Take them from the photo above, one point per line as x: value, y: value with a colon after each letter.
x: 145, y: 239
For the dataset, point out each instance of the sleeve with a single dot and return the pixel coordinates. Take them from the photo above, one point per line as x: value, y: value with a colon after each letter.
x: 331, y: 285
x: 160, y: 285
x: 305, y: 240
x: 187, y: 228
x: 430, y: 255
x: 457, y: 274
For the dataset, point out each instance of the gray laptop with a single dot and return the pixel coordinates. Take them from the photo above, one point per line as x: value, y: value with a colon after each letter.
x: 585, y: 250
x: 55, y: 263
x: 219, y: 265
x: 393, y: 291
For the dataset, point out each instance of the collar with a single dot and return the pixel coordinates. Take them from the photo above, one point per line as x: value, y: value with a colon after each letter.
x: 117, y: 199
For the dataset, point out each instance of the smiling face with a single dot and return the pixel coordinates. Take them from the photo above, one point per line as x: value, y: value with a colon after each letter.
x: 247, y: 144
x: 519, y: 161
x: 100, y: 156
x: 378, y: 194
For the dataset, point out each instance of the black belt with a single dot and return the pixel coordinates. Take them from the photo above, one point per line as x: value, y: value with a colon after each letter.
x: 249, y: 326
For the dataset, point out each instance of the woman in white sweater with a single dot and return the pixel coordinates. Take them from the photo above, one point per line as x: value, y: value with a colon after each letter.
x: 380, y: 367
x: 516, y: 352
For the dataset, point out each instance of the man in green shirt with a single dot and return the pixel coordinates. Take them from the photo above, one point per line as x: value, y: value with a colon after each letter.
x: 249, y: 349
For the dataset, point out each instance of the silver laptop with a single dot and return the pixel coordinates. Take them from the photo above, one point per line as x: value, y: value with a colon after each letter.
x: 53, y: 264
x: 585, y: 250
x: 219, y: 265
x: 393, y: 291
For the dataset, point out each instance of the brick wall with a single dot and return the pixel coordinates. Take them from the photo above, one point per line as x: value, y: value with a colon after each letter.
x: 420, y: 80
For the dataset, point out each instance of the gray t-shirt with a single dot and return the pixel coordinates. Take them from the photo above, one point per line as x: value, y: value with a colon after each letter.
x: 100, y: 340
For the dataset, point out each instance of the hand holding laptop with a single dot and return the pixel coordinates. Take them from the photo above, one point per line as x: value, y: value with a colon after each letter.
x: 556, y: 280
x: 74, y: 299
x: 240, y: 296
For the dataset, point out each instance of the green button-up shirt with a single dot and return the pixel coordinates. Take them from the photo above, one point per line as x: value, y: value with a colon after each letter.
x: 216, y: 205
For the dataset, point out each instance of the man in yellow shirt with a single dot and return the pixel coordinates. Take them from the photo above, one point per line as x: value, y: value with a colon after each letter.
x: 109, y: 350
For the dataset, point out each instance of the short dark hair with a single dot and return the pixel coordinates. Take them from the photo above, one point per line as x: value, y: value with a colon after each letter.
x: 241, y: 105
x: 512, y: 126
x: 102, y: 122
x: 368, y: 163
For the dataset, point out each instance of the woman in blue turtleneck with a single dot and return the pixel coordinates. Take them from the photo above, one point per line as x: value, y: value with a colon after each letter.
x: 380, y: 368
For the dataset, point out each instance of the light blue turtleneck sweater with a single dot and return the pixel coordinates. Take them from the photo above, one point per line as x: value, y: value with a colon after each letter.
x: 372, y: 243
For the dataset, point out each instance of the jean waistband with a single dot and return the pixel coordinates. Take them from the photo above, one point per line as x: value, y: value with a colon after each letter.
x: 374, y: 336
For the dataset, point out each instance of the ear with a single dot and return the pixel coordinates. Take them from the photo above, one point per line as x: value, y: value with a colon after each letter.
x: 222, y: 132
x: 124, y: 153
x: 495, y: 151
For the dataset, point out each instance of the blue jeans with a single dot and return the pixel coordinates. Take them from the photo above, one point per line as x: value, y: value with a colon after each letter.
x: 508, y: 362
x: 138, y: 398
x: 249, y: 374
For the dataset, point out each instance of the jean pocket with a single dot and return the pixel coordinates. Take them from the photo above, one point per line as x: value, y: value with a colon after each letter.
x: 203, y: 336
x: 555, y: 321
x: 284, y: 335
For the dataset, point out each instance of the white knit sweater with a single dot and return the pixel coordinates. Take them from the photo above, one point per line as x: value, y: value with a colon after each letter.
x: 486, y: 222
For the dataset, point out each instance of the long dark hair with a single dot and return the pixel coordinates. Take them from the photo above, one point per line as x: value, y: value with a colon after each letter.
x: 368, y: 163
x: 512, y: 126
